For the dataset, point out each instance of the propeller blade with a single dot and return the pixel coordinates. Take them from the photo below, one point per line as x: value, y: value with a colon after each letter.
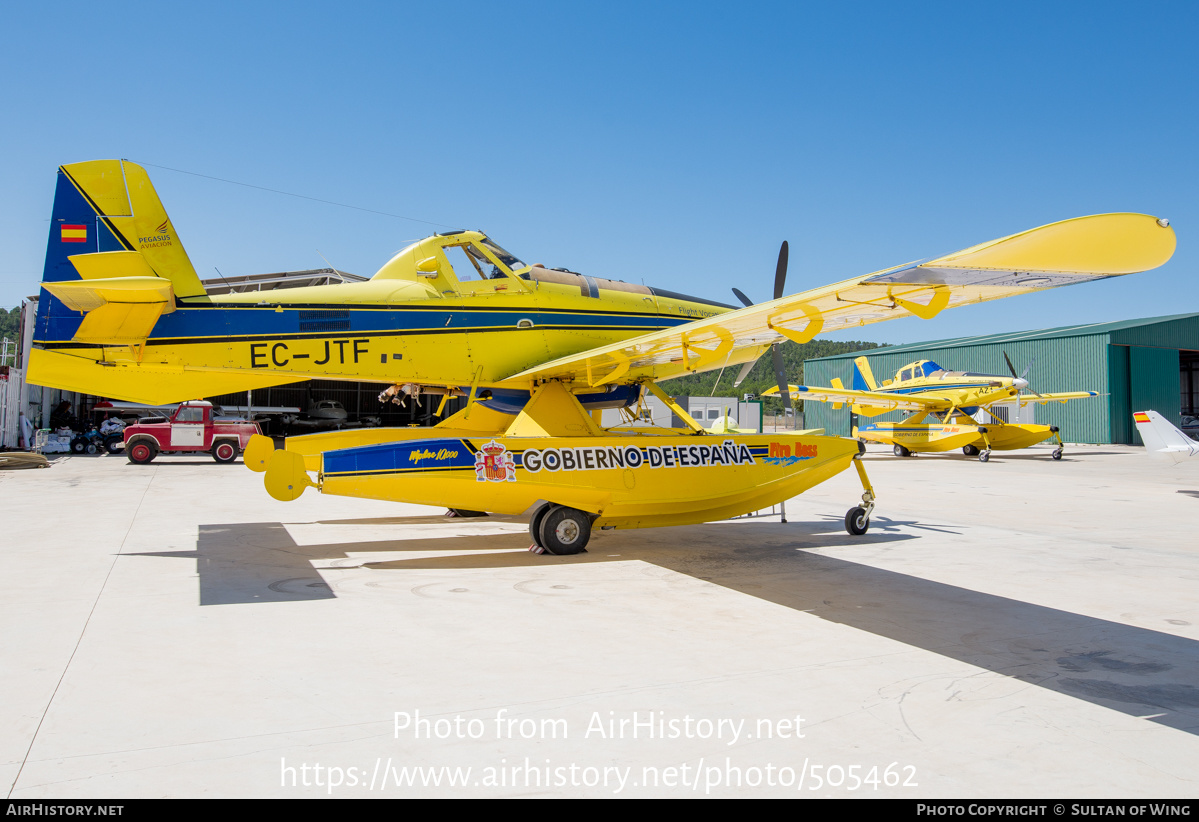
x: 780, y: 374
x: 1010, y: 367
x: 1028, y: 368
x: 780, y: 271
x: 746, y: 301
x: 745, y: 369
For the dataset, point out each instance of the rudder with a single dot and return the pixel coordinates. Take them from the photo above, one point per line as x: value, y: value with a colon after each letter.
x: 863, y: 377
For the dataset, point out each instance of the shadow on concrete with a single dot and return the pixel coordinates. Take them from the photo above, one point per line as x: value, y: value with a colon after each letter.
x: 1137, y: 671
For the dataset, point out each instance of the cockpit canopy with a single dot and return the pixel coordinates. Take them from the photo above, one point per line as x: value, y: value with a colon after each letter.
x: 917, y: 370
x: 456, y: 255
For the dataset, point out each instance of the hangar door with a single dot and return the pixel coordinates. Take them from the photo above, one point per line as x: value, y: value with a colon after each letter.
x: 1141, y: 379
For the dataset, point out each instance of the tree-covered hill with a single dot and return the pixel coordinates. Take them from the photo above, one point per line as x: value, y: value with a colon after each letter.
x: 761, y: 377
x: 10, y: 323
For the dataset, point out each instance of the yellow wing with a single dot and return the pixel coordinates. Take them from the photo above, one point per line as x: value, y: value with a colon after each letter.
x: 1065, y: 253
x: 876, y: 400
x: 1045, y: 399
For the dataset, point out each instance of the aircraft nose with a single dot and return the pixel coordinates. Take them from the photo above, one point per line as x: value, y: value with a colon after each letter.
x: 1020, y: 384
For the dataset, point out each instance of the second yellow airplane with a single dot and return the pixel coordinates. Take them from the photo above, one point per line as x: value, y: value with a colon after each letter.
x: 950, y: 398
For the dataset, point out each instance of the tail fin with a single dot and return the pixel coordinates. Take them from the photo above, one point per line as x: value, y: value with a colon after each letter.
x: 127, y: 208
x: 1162, y: 438
x: 108, y: 225
x: 863, y: 377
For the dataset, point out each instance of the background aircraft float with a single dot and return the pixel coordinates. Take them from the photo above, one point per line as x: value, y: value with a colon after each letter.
x: 536, y: 351
x: 1162, y: 439
x: 951, y: 398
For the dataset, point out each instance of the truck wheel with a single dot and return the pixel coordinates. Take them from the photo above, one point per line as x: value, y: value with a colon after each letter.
x: 142, y: 452
x: 565, y: 531
x: 224, y: 451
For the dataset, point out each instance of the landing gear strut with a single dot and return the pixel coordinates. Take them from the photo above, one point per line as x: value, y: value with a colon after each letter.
x: 986, y: 454
x: 857, y: 519
x: 1057, y: 452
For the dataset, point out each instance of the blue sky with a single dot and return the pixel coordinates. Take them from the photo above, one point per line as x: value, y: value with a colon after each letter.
x: 675, y: 143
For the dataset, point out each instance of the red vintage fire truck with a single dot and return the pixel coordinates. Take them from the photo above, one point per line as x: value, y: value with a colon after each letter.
x: 195, y: 426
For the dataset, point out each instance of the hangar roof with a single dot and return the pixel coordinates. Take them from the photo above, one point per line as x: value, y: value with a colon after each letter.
x: 1085, y: 330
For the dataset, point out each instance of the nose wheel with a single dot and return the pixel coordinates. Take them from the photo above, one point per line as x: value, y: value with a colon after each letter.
x: 857, y: 519
x: 1057, y: 434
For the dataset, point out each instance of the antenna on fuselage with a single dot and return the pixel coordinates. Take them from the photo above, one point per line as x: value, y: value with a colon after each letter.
x: 335, y: 271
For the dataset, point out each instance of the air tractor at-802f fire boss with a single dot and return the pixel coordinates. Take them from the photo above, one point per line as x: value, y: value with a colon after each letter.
x: 536, y: 351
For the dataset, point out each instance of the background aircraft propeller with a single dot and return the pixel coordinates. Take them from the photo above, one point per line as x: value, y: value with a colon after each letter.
x: 1027, y: 368
x: 776, y: 355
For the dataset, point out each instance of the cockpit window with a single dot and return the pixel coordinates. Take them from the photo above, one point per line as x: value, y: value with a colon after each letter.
x: 502, y: 255
x: 468, y: 264
x: 487, y: 269
x: 479, y: 257
x: 931, y: 368
x: 905, y: 375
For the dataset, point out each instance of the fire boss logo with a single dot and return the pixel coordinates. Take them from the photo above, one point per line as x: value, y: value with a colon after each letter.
x: 494, y: 463
x: 780, y: 454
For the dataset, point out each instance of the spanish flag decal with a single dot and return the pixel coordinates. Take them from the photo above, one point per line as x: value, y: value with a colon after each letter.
x: 74, y: 233
x: 1141, y: 416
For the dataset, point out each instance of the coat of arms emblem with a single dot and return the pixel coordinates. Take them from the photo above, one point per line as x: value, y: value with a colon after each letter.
x: 494, y: 463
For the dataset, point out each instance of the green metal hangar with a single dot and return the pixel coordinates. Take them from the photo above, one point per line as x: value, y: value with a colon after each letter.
x: 1138, y: 364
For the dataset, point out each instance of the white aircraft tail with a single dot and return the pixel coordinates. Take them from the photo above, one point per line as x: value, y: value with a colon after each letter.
x: 1162, y: 438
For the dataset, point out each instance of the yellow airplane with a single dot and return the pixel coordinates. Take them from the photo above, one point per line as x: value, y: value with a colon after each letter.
x: 536, y: 351
x: 952, y: 398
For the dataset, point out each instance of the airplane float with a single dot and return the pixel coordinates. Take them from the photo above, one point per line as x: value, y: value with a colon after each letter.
x: 952, y: 398
x: 537, y: 352
x: 1163, y: 440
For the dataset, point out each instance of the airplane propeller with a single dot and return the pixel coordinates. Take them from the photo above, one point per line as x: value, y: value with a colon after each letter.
x: 1027, y: 368
x: 776, y: 354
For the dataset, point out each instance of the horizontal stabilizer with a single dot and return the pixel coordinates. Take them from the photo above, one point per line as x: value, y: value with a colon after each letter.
x: 106, y: 265
x: 149, y: 382
x: 121, y: 310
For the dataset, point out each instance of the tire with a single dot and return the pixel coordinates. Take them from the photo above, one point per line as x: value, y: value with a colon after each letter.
x: 142, y: 452
x: 564, y: 531
x: 856, y: 522
x: 224, y: 451
x: 78, y: 446
x: 92, y: 448
x: 970, y: 450
x: 535, y: 523
x: 900, y: 451
x: 984, y: 456
x: 115, y: 445
x: 1057, y: 454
